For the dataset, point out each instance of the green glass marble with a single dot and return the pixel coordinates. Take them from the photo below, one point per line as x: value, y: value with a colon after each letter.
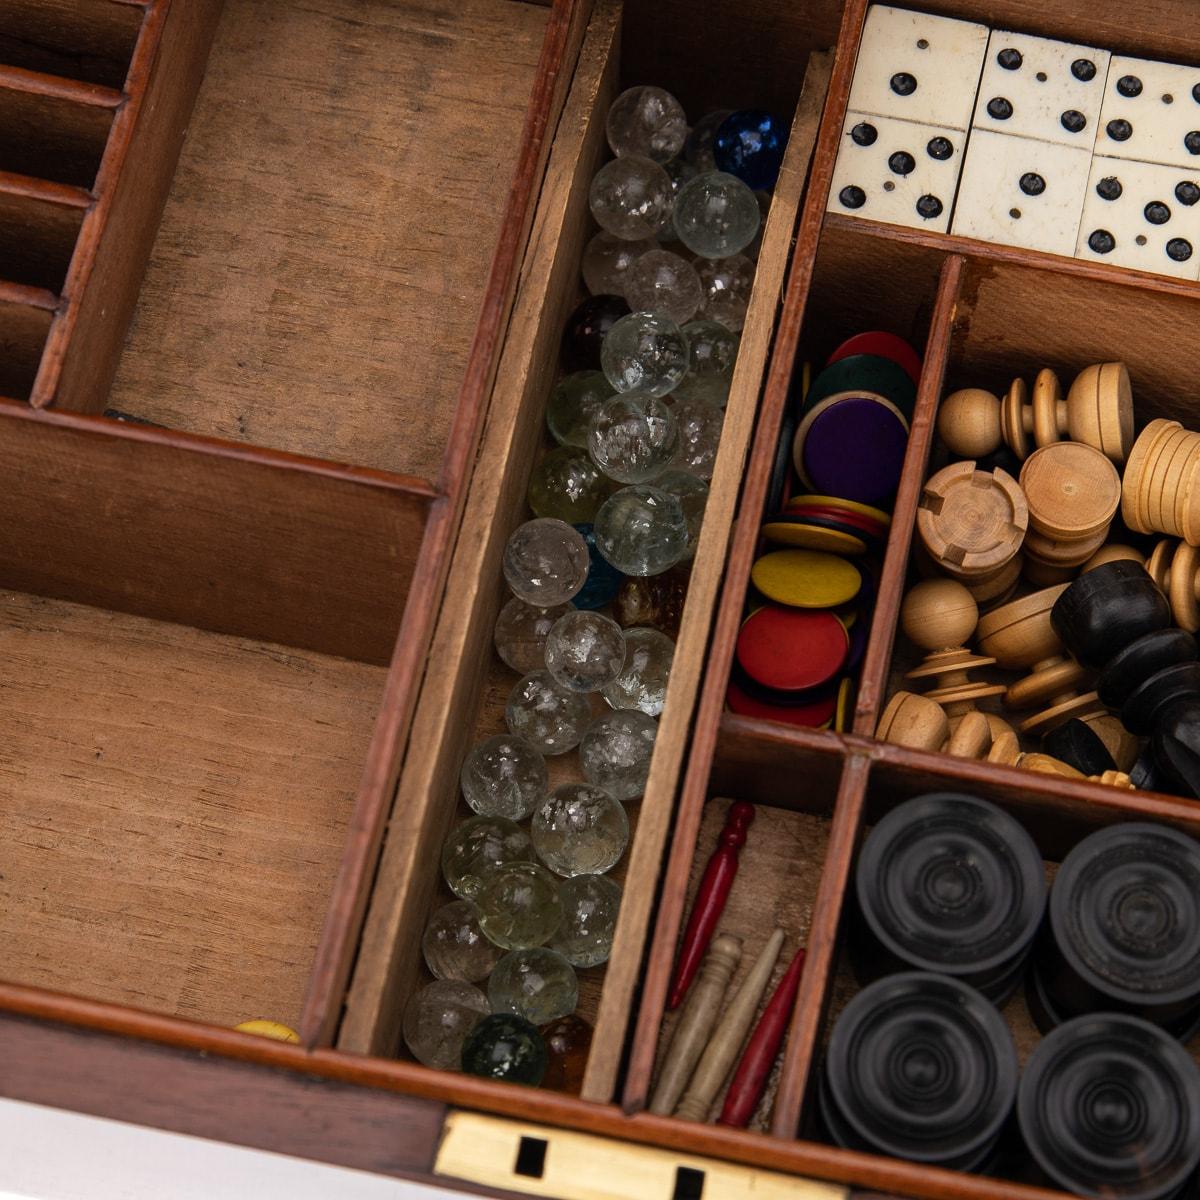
x: 568, y: 486
x: 591, y: 904
x: 507, y: 1047
x: 477, y: 848
x: 519, y: 906
x: 537, y: 984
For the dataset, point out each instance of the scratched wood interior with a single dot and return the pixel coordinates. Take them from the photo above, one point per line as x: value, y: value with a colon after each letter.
x: 88, y: 40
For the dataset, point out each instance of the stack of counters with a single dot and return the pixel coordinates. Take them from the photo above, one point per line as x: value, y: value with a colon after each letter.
x: 829, y: 523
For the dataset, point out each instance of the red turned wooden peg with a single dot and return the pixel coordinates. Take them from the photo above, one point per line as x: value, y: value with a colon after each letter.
x: 710, y: 899
x: 750, y: 1079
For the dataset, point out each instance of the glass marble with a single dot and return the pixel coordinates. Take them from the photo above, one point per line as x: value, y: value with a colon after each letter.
x: 662, y: 282
x: 642, y: 683
x: 549, y: 716
x: 615, y: 755
x: 603, y: 578
x: 749, y: 144
x: 692, y: 493
x: 519, y: 906
x: 727, y: 284
x: 646, y: 121
x: 633, y: 438
x: 575, y: 400
x: 507, y: 1047
x: 479, y: 847
x: 585, y: 651
x: 520, y: 633
x: 580, y: 830
x: 568, y: 1044
x: 644, y: 352
x: 716, y: 215
x: 590, y: 906
x: 656, y: 601
x: 642, y: 530
x: 537, y: 984
x: 608, y: 258
x: 455, y: 947
x: 545, y: 562
x: 712, y: 355
x: 698, y: 149
x: 700, y: 424
x: 504, y: 776
x: 439, y: 1018
x: 586, y: 329
x: 631, y: 198
x: 568, y: 486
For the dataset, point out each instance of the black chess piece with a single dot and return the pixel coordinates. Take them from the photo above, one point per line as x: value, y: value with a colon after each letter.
x: 1078, y: 745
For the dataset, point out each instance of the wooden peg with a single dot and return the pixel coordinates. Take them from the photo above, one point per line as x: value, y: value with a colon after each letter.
x: 722, y: 1049
x: 1175, y: 567
x: 711, y: 896
x: 972, y: 738
x: 972, y: 522
x: 696, y: 1022
x: 750, y: 1079
x: 915, y: 721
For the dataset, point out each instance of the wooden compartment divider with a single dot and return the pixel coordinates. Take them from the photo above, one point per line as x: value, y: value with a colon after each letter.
x: 88, y: 40
x: 39, y: 225
x: 26, y: 314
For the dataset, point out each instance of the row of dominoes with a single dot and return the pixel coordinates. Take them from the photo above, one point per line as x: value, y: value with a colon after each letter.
x: 1024, y: 141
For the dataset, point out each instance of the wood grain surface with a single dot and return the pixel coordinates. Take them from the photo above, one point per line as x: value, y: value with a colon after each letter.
x: 39, y: 223
x: 25, y: 316
x: 89, y: 40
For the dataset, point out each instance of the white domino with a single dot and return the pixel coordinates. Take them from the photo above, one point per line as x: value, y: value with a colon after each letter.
x: 1151, y: 113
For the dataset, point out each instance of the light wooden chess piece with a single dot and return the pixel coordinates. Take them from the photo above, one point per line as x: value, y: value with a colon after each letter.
x: 972, y: 738
x: 1098, y: 412
x: 1161, y: 488
x: 1007, y: 752
x: 1112, y: 552
x: 1073, y: 493
x: 1175, y: 567
x: 915, y: 721
x: 972, y: 522
x: 1053, y: 686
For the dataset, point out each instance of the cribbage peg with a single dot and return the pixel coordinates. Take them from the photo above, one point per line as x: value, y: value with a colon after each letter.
x: 1175, y: 567
x: 696, y: 1022
x: 915, y: 721
x: 711, y: 896
x: 727, y: 1038
x: 750, y: 1078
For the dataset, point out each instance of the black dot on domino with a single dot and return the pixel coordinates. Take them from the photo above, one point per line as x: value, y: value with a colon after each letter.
x: 1041, y: 77
x: 1009, y: 58
x: 1073, y: 120
x: 1129, y: 86
x: 1140, y: 239
x: 999, y: 108
x: 1187, y: 192
x: 1191, y: 142
x: 1101, y: 241
x: 1083, y: 69
x: 888, y: 186
x: 904, y: 84
x: 852, y: 196
x: 940, y: 148
x: 1032, y: 184
x: 922, y: 44
x: 1179, y: 249
x: 1156, y: 212
x: 1015, y: 213
x: 1196, y: 92
x: 929, y: 207
x: 1119, y: 130
x: 1109, y: 188
x: 864, y: 134
x: 901, y: 163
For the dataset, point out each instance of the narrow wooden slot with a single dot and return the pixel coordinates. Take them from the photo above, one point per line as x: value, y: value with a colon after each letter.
x: 39, y: 226
x: 25, y: 317
x: 315, y: 292
x: 53, y: 128
x: 87, y: 40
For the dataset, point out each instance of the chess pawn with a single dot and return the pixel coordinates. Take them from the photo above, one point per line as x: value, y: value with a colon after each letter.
x: 915, y: 721
x: 1175, y: 567
x: 1073, y: 492
x: 1019, y: 634
x: 1053, y: 687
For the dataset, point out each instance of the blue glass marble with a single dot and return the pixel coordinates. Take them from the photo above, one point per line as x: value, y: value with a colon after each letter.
x: 749, y: 144
x: 603, y: 579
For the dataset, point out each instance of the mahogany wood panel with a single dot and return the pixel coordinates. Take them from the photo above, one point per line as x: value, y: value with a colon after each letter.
x: 174, y: 805
x: 25, y: 317
x: 314, y: 290
x: 247, y: 543
x: 90, y: 40
x: 39, y: 223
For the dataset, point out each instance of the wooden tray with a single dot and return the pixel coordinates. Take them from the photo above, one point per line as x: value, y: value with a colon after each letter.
x: 236, y: 712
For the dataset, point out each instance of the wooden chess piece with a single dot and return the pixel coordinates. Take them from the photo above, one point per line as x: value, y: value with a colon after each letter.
x: 1053, y: 686
x: 997, y: 586
x: 1175, y: 567
x: 972, y: 738
x: 1005, y: 750
x: 972, y: 522
x: 1121, y: 745
x: 1045, y: 764
x: 1111, y: 553
x: 915, y: 721
x: 1161, y: 488
x: 727, y: 1038
x: 1019, y: 634
x: 696, y: 1022
x: 1041, y: 574
x: 1073, y: 493
x: 711, y: 895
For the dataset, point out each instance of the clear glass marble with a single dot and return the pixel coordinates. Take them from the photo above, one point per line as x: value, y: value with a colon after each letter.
x: 575, y: 400
x: 590, y: 905
x: 712, y: 355
x: 545, y: 562
x: 698, y: 149
x: 642, y: 683
x: 477, y: 848
x: 692, y: 493
x: 716, y: 215
x: 700, y: 424
x: 662, y: 282
x: 537, y: 984
x: 615, y: 755
x: 633, y: 438
x: 631, y: 198
x: 568, y: 486
x: 644, y: 352
x: 438, y: 1018
x: 455, y: 946
x: 550, y: 717
x: 727, y: 284
x: 642, y: 530
x: 504, y: 776
x: 519, y: 906
x: 520, y: 633
x: 585, y: 651
x: 646, y: 121
x: 607, y: 259
x: 580, y: 830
